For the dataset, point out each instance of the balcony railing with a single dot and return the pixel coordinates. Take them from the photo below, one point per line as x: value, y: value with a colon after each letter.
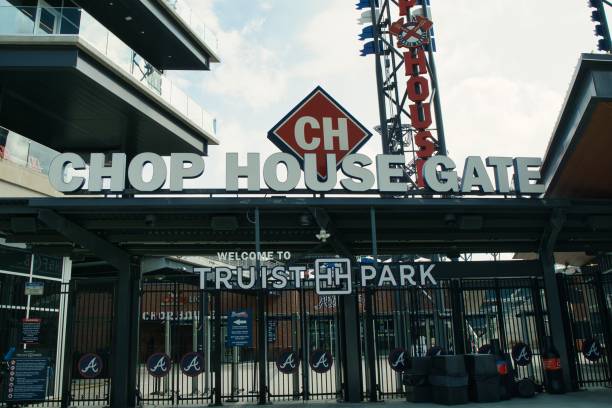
x: 186, y: 14
x: 25, y: 152
x: 68, y: 21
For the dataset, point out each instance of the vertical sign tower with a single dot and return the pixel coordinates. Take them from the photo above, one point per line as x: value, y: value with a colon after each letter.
x: 401, y: 38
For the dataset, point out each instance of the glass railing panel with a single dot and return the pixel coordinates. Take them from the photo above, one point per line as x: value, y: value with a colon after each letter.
x: 17, y: 20
x: 182, y: 9
x: 25, y: 152
x: 71, y: 21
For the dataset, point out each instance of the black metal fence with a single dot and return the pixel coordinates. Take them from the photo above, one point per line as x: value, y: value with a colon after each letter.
x: 200, y: 346
x: 454, y: 317
x: 587, y: 302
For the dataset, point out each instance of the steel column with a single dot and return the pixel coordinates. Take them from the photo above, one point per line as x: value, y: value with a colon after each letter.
x: 369, y: 320
x: 262, y: 344
x: 558, y: 325
x: 218, y: 349
x: 125, y: 359
x: 458, y: 318
x: 68, y: 342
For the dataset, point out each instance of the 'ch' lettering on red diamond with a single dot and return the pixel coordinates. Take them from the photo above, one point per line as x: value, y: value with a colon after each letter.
x: 319, y: 125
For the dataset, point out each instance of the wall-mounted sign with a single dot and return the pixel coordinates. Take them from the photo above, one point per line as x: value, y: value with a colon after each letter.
x: 30, y: 330
x: 321, y: 361
x: 159, y: 365
x: 271, y: 330
x: 34, y: 288
x: 27, y: 378
x: 288, y: 362
x: 90, y: 366
x: 332, y: 276
x: 240, y: 328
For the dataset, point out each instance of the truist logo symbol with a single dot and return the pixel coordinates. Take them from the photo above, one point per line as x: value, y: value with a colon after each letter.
x: 321, y: 127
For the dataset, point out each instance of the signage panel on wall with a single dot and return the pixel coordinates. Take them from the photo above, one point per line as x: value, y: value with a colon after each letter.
x: 27, y: 378
x: 30, y: 330
x: 240, y: 328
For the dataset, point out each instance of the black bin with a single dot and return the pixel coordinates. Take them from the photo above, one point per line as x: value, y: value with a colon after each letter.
x: 416, y: 380
x: 484, y: 380
x: 449, y: 380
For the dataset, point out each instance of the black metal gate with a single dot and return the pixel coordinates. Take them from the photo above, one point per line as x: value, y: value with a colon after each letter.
x: 90, y: 339
x: 587, y: 301
x: 453, y: 317
x: 180, y: 320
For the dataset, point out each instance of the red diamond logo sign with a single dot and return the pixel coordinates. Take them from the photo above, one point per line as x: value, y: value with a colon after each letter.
x: 319, y: 125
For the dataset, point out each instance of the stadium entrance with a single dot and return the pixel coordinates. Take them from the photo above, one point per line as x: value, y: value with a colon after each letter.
x: 370, y: 285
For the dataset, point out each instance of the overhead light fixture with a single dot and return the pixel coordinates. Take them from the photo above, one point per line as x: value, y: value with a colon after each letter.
x: 128, y: 18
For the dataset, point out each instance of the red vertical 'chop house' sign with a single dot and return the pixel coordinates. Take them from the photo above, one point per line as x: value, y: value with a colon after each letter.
x: 319, y: 125
x: 414, y: 35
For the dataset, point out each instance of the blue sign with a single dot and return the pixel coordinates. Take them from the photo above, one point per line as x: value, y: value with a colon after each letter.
x: 398, y: 360
x: 159, y: 365
x: 192, y: 364
x: 522, y: 354
x: 240, y: 328
x: 90, y: 366
x: 27, y: 379
x: 592, y: 350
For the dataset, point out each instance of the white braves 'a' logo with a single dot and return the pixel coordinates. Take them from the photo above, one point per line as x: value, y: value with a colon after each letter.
x: 160, y: 365
x: 523, y: 356
x: 194, y: 364
x: 92, y: 366
x: 289, y: 362
x: 400, y: 360
x: 322, y: 362
x: 593, y: 351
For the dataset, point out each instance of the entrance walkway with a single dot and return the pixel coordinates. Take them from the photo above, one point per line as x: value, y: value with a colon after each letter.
x: 592, y: 398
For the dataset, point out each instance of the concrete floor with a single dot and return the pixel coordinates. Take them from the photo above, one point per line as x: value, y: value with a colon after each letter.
x: 592, y: 398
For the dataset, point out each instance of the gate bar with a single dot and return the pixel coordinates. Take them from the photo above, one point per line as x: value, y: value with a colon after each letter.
x: 261, y: 322
x: 369, y: 323
x: 605, y: 319
x: 218, y: 349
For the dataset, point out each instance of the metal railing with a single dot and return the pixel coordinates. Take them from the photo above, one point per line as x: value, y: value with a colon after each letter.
x: 25, y: 152
x: 186, y: 14
x: 68, y: 21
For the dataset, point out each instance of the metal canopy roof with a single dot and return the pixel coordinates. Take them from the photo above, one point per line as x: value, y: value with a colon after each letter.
x: 62, y: 97
x: 577, y: 162
x: 200, y: 226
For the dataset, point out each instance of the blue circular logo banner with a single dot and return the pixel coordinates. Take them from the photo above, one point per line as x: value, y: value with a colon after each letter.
x: 90, y: 366
x: 192, y: 364
x: 592, y: 350
x: 159, y: 365
x: 321, y: 361
x: 398, y: 360
x: 288, y: 362
x: 522, y: 354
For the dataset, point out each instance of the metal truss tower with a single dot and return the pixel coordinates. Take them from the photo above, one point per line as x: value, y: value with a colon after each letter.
x: 398, y: 134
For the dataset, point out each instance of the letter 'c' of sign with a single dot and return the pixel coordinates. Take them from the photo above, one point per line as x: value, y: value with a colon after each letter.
x: 56, y: 172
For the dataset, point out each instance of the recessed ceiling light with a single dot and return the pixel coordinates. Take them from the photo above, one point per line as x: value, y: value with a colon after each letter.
x: 128, y: 18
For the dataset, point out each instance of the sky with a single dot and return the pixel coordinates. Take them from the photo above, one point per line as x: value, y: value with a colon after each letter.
x: 504, y: 68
